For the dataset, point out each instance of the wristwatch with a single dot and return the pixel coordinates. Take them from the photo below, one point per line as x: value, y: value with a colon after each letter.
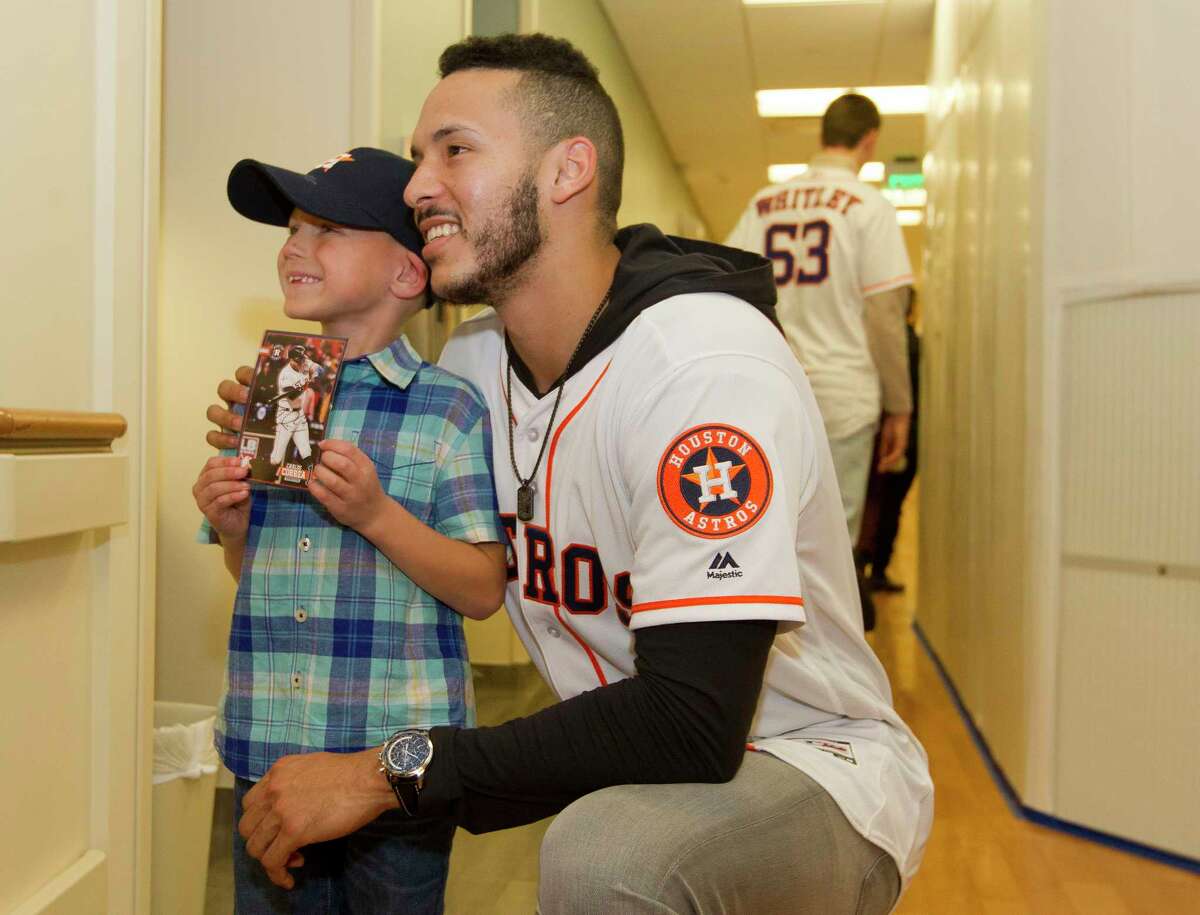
x: 403, y: 761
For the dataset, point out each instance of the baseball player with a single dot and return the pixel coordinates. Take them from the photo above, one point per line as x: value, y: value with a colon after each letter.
x: 842, y: 275
x: 291, y: 421
x: 681, y: 572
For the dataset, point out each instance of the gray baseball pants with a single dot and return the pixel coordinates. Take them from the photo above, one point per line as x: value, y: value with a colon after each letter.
x: 770, y: 842
x: 852, y: 464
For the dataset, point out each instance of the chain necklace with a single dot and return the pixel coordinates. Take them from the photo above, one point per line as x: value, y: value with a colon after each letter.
x: 526, y: 488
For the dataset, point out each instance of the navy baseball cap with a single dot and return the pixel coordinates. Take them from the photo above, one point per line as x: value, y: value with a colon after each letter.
x: 362, y: 189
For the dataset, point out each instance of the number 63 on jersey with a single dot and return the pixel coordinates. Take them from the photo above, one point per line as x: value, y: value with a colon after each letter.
x: 801, y: 249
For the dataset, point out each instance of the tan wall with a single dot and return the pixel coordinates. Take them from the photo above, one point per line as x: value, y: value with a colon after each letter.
x: 408, y: 69
x: 277, y: 88
x: 654, y: 190
x: 1060, y: 526
x: 76, y: 614
x: 975, y: 426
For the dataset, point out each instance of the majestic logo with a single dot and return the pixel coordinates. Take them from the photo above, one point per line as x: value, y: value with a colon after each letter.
x: 330, y: 163
x: 724, y: 566
x: 713, y: 482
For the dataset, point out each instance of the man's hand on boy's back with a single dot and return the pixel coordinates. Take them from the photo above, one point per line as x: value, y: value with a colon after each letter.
x: 232, y: 392
x: 345, y: 482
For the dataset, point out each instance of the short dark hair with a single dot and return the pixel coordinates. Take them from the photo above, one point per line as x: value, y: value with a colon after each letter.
x: 847, y: 120
x: 560, y: 95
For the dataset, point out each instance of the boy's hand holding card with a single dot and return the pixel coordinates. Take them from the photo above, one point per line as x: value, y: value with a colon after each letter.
x: 346, y: 483
x: 223, y: 495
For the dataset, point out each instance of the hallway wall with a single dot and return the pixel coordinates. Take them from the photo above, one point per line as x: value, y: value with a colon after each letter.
x: 1122, y: 300
x: 79, y: 93
x: 277, y: 88
x: 654, y: 189
x: 1060, y: 553
x: 981, y: 279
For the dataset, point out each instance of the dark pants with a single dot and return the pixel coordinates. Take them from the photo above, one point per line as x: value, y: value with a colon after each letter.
x: 893, y: 487
x: 394, y: 864
x: 881, y: 514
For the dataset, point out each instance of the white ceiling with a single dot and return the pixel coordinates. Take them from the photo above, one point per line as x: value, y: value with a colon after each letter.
x: 700, y: 61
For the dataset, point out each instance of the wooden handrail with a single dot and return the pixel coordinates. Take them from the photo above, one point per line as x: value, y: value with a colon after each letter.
x: 57, y: 431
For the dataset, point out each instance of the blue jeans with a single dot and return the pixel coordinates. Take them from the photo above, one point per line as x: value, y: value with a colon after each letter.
x: 393, y: 864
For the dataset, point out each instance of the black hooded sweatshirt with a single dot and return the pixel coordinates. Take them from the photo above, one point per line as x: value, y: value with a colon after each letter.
x: 686, y: 715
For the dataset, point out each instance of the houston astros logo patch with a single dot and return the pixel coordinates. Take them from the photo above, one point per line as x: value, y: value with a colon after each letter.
x: 713, y: 481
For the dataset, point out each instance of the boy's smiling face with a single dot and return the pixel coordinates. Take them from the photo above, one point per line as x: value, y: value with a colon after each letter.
x: 334, y: 274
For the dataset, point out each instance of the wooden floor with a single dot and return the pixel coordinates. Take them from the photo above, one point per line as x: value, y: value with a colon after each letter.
x: 980, y: 859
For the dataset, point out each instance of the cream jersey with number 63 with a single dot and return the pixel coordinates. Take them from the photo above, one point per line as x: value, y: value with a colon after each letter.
x: 834, y: 241
x: 688, y: 478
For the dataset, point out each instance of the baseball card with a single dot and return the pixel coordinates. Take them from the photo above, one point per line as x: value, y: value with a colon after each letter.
x: 291, y: 394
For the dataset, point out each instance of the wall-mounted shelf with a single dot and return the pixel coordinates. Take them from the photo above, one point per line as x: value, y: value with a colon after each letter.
x: 57, y: 431
x: 58, y: 474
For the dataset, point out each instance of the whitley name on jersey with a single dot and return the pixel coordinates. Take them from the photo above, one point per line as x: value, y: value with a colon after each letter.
x: 807, y: 198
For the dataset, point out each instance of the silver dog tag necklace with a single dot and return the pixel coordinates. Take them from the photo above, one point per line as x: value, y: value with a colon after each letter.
x: 527, y: 485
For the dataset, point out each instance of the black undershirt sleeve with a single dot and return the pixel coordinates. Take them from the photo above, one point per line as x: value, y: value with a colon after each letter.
x: 685, y: 717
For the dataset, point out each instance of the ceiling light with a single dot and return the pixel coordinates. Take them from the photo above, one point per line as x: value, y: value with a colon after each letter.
x: 905, y: 197
x: 811, y: 103
x: 785, y: 171
x: 910, y: 217
x: 795, y: 103
x: 805, y: 2
x: 871, y: 171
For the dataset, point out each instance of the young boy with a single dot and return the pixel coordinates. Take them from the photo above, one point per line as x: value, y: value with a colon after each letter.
x: 346, y: 625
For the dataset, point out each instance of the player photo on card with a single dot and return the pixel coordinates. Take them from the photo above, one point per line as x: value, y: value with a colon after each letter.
x: 291, y: 395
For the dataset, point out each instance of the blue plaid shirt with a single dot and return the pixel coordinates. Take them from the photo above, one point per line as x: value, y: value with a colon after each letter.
x: 332, y: 647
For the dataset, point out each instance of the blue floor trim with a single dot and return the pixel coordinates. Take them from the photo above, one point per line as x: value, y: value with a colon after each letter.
x: 1028, y: 813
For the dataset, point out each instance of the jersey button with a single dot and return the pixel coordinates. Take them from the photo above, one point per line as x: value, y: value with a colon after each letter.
x: 533, y: 435
x: 553, y: 631
x: 301, y: 614
x: 305, y: 544
x: 296, y: 680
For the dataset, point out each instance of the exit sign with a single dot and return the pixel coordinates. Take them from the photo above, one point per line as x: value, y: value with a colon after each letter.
x: 904, y: 174
x: 904, y: 181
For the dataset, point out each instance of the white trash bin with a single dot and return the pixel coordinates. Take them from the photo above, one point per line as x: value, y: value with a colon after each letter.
x: 185, y: 782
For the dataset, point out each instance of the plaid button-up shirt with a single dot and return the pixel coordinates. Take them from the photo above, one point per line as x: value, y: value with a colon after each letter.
x: 332, y: 647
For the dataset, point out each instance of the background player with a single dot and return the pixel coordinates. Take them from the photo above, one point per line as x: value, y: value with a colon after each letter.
x: 291, y: 419
x: 843, y: 280
x: 635, y: 376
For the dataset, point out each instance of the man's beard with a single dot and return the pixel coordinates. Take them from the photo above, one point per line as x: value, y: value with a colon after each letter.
x: 502, y: 249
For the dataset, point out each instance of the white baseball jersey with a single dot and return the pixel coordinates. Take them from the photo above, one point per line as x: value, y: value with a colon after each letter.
x: 291, y: 423
x: 834, y: 241
x: 287, y: 410
x: 688, y: 478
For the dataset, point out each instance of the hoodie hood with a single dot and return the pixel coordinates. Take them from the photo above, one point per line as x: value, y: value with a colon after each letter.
x: 654, y: 267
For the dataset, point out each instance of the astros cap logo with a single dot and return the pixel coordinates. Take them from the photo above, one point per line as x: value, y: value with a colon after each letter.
x: 714, y: 481
x: 330, y: 163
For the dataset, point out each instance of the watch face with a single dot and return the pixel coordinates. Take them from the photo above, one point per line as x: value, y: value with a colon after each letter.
x: 408, y: 752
